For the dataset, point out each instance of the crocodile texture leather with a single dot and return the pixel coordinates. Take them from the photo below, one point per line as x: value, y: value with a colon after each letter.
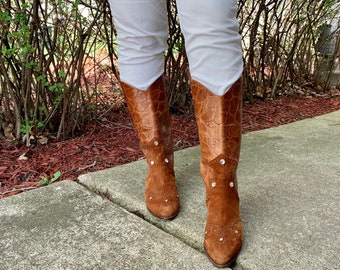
x: 149, y: 111
x: 219, y: 125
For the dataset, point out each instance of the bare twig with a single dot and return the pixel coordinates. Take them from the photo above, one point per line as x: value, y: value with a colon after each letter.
x: 17, y: 189
x: 88, y: 166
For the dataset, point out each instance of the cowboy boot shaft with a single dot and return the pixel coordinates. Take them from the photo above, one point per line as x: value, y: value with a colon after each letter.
x: 219, y: 126
x: 218, y: 120
x: 149, y: 111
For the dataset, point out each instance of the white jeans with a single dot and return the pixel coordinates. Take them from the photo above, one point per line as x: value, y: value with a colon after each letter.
x: 211, y: 33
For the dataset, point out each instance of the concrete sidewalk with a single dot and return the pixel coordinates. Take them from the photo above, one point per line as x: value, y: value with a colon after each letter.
x: 289, y: 184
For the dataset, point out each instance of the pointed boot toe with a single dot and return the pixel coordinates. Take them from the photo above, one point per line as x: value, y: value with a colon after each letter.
x: 161, y: 195
x: 222, y: 245
x: 162, y: 207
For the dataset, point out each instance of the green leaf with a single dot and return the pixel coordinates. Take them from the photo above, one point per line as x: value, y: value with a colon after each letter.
x: 46, y: 181
x: 37, y: 68
x: 61, y: 73
x: 41, y: 78
x: 30, y: 64
x: 56, y: 176
x: 4, y: 16
x: 43, y: 181
x: 25, y: 5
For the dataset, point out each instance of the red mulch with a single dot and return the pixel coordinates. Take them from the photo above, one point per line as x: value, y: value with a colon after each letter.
x: 112, y: 141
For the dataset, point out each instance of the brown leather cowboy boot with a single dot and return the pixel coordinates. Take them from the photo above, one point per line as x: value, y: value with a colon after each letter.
x: 149, y: 111
x: 219, y: 126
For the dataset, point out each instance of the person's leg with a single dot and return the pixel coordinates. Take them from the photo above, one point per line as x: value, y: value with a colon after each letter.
x: 142, y: 29
x: 142, y: 32
x: 214, y: 52
x: 212, y: 41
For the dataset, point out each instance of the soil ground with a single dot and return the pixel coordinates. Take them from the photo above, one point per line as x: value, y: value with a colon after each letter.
x: 111, y: 141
